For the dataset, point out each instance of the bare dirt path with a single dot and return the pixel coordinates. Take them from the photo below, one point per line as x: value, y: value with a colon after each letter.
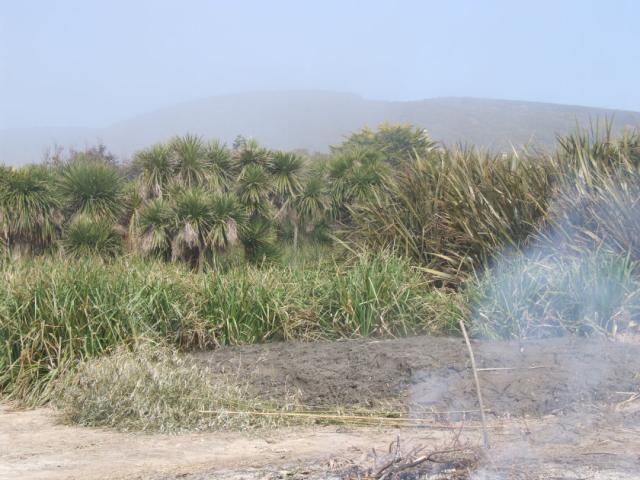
x: 596, y: 446
x: 33, y: 446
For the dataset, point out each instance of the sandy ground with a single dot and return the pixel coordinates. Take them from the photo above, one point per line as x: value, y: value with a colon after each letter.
x: 576, y: 417
x: 595, y: 446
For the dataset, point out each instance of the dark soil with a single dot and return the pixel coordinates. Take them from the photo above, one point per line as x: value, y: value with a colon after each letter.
x: 431, y: 373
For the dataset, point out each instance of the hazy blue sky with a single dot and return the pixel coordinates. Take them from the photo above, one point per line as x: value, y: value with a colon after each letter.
x: 89, y: 62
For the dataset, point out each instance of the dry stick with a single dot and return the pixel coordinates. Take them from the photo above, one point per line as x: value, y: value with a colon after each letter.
x: 414, y: 463
x: 485, y: 435
x: 382, y: 469
x: 402, y: 422
x: 429, y: 458
x: 387, y: 414
x: 500, y: 369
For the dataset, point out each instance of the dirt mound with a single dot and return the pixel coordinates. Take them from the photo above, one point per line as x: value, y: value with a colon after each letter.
x: 533, y: 377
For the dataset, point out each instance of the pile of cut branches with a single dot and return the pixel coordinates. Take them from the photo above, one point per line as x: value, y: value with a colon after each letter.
x: 399, y: 463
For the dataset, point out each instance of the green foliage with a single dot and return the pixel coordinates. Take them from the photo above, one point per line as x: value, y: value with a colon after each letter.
x: 378, y: 295
x: 253, y: 188
x: 516, y: 245
x: 91, y: 188
x: 227, y: 217
x: 597, y: 148
x: 204, y: 222
x: 29, y: 208
x: 192, y: 221
x: 286, y: 171
x: 453, y: 210
x: 596, y: 202
x: 192, y: 163
x: 313, y: 200
x: 249, y: 153
x: 397, y: 143
x: 55, y: 313
x: 154, y: 228
x: 368, y: 174
x: 200, y: 182
x: 221, y: 167
x: 542, y: 296
x: 85, y: 237
x: 355, y: 176
x: 449, y: 210
x: 156, y: 166
x: 258, y: 239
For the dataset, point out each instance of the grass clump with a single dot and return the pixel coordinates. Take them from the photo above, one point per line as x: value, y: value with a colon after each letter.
x: 85, y: 237
x: 154, y: 389
x: 544, y: 296
x: 248, y: 305
x: 453, y: 210
x: 54, y: 313
x: 377, y: 295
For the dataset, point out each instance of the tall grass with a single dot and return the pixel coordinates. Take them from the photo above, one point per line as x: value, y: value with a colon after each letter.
x: 53, y: 314
x: 378, y: 295
x: 454, y: 210
x: 544, y: 296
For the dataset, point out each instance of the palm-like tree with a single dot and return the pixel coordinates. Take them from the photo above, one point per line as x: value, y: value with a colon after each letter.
x: 154, y: 228
x: 338, y: 171
x: 365, y: 177
x: 286, y: 171
x: 227, y: 218
x: 132, y: 202
x: 221, y: 167
x: 313, y: 202
x: 192, y: 219
x: 91, y: 188
x: 157, y: 166
x: 258, y: 239
x: 354, y: 175
x: 192, y: 165
x: 254, y: 187
x: 29, y: 208
x: 251, y: 154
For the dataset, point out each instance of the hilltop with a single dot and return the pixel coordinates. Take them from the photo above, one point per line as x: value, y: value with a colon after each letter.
x: 313, y: 120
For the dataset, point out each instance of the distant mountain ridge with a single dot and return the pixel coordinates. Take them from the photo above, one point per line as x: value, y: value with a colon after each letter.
x: 313, y: 120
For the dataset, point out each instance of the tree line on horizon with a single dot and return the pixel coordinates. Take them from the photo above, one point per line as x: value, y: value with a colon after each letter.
x: 192, y: 200
x: 449, y: 210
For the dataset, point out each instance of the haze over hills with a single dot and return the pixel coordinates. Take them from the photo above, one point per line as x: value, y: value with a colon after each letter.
x: 313, y: 120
